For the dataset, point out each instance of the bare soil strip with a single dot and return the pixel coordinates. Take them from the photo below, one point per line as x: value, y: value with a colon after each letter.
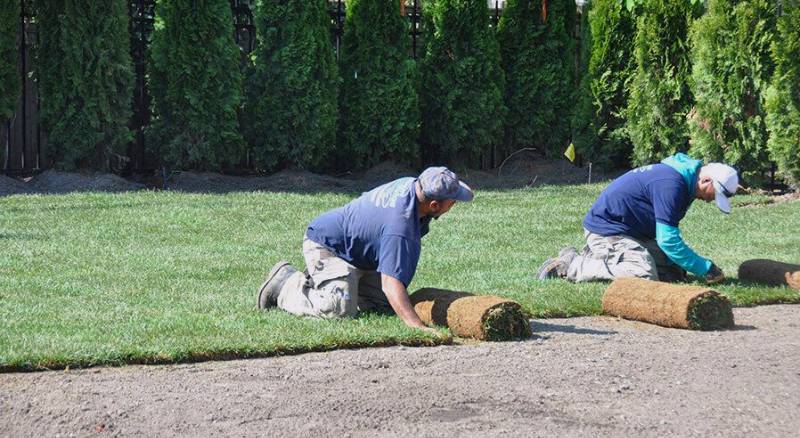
x: 580, y: 377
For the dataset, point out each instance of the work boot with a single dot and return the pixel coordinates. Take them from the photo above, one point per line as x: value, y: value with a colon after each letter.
x: 567, y: 254
x: 557, y: 267
x: 271, y: 288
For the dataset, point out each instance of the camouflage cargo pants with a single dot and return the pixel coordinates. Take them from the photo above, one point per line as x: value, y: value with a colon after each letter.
x: 332, y: 288
x: 610, y: 257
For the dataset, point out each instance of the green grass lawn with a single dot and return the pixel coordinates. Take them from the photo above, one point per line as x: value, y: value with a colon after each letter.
x: 160, y: 277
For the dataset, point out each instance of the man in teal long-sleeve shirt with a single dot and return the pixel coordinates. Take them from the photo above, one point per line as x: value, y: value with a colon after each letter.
x: 632, y: 228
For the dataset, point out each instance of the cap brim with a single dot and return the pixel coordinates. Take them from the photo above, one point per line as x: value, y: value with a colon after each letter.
x: 464, y: 194
x: 723, y: 202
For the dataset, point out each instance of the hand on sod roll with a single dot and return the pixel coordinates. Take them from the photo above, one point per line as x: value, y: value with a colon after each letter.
x: 714, y: 275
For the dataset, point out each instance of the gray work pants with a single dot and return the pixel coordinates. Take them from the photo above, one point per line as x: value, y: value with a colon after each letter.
x: 332, y: 288
x: 610, y: 257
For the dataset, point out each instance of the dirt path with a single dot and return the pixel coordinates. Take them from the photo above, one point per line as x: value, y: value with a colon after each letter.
x: 582, y: 376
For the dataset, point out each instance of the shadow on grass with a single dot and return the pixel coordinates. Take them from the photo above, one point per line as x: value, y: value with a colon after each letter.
x: 86, y: 206
x: 735, y: 282
x: 22, y: 236
x: 773, y: 294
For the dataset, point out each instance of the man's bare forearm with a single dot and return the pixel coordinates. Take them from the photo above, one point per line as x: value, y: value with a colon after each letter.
x: 398, y: 298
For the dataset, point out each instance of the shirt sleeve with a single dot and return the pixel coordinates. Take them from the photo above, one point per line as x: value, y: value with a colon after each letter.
x: 398, y: 258
x: 670, y: 201
x: 670, y: 241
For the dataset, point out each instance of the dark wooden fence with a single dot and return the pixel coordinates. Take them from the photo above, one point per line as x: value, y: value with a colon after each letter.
x: 21, y: 136
x: 25, y: 142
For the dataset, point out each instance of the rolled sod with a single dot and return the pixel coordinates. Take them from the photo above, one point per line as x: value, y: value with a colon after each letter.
x: 667, y: 305
x: 770, y: 272
x: 486, y: 318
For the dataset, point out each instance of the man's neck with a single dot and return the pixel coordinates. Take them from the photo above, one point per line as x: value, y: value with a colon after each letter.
x: 421, y: 212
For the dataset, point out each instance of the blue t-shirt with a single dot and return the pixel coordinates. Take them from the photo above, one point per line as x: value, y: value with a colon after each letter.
x: 380, y: 230
x: 633, y: 203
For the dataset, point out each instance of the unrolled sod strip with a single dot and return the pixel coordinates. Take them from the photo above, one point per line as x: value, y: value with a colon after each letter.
x: 667, y: 305
x: 770, y: 272
x: 486, y: 318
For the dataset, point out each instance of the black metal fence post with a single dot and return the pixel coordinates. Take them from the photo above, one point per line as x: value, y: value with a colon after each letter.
x: 24, y: 62
x: 338, y: 30
x: 415, y: 28
x: 244, y: 29
x: 142, y: 19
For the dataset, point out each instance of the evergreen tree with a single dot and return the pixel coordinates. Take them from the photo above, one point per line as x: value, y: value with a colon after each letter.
x: 783, y: 95
x: 461, y: 95
x: 49, y: 51
x: 86, y: 80
x: 293, y: 91
x: 196, y: 85
x: 731, y: 68
x: 9, y: 58
x: 660, y: 96
x: 600, y: 126
x: 379, y: 108
x: 537, y: 56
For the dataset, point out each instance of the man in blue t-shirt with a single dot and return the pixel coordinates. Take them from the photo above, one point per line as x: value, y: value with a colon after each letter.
x: 632, y: 228
x: 364, y: 255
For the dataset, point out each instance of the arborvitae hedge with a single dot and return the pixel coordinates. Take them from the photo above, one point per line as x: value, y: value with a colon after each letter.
x: 731, y: 69
x: 292, y: 94
x: 379, y: 108
x: 537, y: 56
x: 48, y: 52
x: 86, y: 79
x: 461, y: 94
x: 196, y: 85
x: 783, y: 96
x: 600, y: 126
x: 660, y: 96
x: 9, y: 58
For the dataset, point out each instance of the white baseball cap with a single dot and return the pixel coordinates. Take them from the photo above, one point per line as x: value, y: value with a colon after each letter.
x: 726, y: 181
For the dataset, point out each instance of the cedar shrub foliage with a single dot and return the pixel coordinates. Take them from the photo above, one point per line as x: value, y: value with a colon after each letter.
x: 783, y: 95
x: 599, y: 131
x: 731, y: 69
x: 461, y: 94
x: 660, y: 95
x: 9, y: 58
x: 86, y: 82
x: 293, y: 89
x: 537, y: 57
x: 195, y: 82
x: 49, y: 74
x: 379, y: 108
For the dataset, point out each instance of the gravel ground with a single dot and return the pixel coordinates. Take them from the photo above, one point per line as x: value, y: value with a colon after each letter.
x: 578, y: 377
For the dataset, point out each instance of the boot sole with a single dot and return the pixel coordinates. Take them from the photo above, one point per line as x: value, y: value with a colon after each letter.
x: 262, y: 297
x: 546, y: 271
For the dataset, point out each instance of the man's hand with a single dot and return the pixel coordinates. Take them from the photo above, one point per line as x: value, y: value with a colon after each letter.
x: 398, y: 298
x: 431, y: 331
x: 714, y: 275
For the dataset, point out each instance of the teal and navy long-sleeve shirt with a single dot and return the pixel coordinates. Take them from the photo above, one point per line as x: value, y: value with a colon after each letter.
x: 648, y: 203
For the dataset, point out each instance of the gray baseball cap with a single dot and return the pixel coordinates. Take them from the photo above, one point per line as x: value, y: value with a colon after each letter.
x: 440, y: 183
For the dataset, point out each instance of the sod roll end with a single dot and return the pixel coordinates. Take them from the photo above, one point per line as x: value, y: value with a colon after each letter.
x: 793, y: 280
x: 770, y: 272
x: 668, y: 305
x: 486, y: 318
